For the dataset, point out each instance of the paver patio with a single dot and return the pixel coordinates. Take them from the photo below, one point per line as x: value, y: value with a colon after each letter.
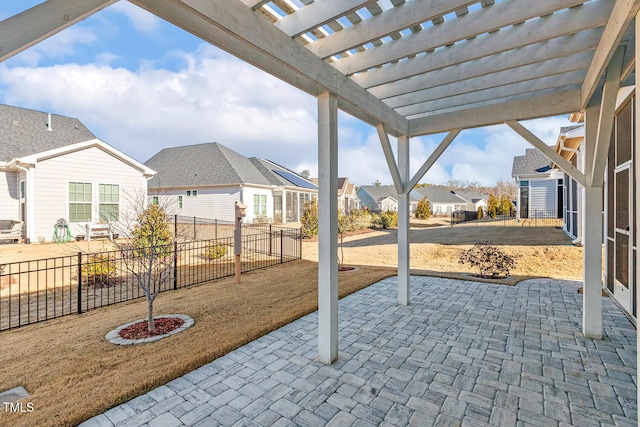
x: 462, y: 353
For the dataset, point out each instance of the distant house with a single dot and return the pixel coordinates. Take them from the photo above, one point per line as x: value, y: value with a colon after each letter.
x: 540, y: 187
x: 52, y: 167
x: 380, y: 198
x: 441, y: 200
x: 347, y: 195
x: 205, y: 180
x: 474, y: 200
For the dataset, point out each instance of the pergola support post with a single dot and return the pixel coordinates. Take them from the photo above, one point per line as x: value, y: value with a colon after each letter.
x: 403, y: 223
x: 327, y: 228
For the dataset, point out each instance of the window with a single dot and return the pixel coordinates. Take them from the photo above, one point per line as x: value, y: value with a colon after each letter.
x: 179, y: 202
x: 188, y: 193
x: 259, y: 204
x: 155, y: 200
x: 109, y: 202
x: 191, y: 193
x: 79, y: 202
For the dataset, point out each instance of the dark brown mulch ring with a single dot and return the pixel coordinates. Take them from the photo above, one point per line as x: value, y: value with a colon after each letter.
x: 163, y: 325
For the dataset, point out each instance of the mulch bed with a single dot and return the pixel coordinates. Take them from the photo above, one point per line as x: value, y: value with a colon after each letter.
x: 140, y: 330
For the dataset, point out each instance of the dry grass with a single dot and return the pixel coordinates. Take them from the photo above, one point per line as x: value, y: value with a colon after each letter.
x: 73, y: 373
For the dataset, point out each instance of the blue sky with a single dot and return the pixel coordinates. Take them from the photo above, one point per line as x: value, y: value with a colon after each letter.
x: 141, y: 84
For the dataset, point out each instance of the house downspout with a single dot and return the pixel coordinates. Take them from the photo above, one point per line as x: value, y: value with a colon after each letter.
x: 578, y: 154
x: 29, y: 220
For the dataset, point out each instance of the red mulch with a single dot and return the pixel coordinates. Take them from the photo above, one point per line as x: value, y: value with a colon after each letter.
x: 345, y: 268
x: 140, y: 330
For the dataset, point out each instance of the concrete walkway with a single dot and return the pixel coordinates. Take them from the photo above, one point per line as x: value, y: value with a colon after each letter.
x: 463, y: 353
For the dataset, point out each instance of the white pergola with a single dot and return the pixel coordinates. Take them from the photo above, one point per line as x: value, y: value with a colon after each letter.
x: 411, y: 68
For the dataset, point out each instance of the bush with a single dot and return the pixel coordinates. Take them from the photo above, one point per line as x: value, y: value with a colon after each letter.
x: 152, y: 235
x: 309, y: 219
x: 493, y: 206
x: 216, y: 252
x: 386, y: 219
x: 360, y: 219
x: 480, y: 212
x: 423, y: 209
x: 491, y: 261
x: 99, y: 269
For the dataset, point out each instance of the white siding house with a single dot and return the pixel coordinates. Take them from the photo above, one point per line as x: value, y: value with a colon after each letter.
x: 205, y: 181
x: 52, y: 167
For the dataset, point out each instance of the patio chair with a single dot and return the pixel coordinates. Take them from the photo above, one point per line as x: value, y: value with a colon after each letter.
x: 14, y: 233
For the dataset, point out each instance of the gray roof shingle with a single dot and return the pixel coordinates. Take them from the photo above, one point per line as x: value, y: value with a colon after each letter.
x: 531, y: 163
x: 211, y: 164
x: 23, y: 132
x: 440, y: 195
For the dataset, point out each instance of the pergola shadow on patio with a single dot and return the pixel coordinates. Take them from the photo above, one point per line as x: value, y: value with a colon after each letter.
x: 464, y: 353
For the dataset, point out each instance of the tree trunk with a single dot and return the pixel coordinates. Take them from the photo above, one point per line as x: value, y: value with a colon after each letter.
x: 152, y: 325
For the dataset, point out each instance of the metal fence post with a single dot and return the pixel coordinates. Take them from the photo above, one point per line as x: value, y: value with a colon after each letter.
x: 270, y: 240
x: 281, y: 244
x: 79, y: 282
x: 194, y: 228
x: 300, y: 240
x: 215, y: 230
x: 175, y: 264
x: 175, y: 226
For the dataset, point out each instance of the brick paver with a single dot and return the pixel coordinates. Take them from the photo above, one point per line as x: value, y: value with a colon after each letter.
x: 462, y: 353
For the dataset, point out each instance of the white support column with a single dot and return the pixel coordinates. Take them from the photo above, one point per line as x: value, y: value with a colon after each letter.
x: 592, y: 236
x: 403, y: 222
x: 327, y: 228
x: 636, y: 166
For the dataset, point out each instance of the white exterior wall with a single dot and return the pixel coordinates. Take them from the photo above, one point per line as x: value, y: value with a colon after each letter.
x: 248, y: 193
x: 93, y: 165
x: 542, y: 196
x: 9, y: 197
x: 210, y: 202
x: 388, y: 204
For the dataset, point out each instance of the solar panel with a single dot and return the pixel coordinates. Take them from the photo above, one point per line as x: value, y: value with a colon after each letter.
x: 295, y: 179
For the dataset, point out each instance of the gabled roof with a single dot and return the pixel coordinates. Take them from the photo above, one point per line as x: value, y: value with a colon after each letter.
x: 25, y: 132
x: 439, y: 195
x: 472, y: 196
x: 532, y: 163
x: 213, y: 164
x: 378, y: 192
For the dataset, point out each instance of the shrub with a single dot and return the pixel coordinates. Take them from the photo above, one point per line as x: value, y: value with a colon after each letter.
x: 493, y: 206
x: 99, y: 269
x: 360, y: 219
x: 489, y: 260
x: 309, y: 219
x: 152, y: 235
x: 480, y: 212
x: 423, y: 209
x: 216, y: 252
x: 385, y: 219
x: 505, y: 205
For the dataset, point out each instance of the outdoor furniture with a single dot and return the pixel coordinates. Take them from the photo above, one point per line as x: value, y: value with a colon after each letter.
x: 10, y: 230
x: 98, y: 230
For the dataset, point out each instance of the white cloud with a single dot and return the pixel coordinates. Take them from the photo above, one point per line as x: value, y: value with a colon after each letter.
x: 142, y: 20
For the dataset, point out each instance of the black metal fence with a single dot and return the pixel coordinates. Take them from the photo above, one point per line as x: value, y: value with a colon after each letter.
x: 536, y: 218
x: 38, y: 290
x: 190, y: 228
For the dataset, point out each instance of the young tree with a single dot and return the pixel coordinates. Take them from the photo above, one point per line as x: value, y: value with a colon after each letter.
x: 344, y: 226
x: 423, y: 209
x: 493, y: 205
x: 149, y: 257
x: 505, y: 205
x: 309, y: 219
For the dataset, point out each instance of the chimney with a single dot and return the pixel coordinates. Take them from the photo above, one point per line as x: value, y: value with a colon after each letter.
x: 49, y: 123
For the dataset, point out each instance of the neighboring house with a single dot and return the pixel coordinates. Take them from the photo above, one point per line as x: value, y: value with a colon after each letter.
x: 205, y: 180
x: 380, y: 198
x: 569, y: 145
x: 53, y: 167
x: 474, y: 200
x: 540, y: 187
x: 441, y: 201
x: 347, y: 195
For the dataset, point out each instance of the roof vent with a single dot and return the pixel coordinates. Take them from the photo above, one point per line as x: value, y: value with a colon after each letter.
x: 49, y: 123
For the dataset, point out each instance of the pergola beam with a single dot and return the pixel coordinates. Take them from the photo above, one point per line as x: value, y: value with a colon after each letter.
x: 549, y: 152
x: 432, y: 158
x: 582, y: 25
x: 388, y: 155
x: 531, y: 72
x: 621, y: 16
x: 606, y: 117
x: 510, y: 90
x: 383, y: 24
x: 317, y: 14
x: 21, y: 31
x: 253, y: 39
x: 531, y: 107
x: 557, y: 49
x: 470, y: 25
